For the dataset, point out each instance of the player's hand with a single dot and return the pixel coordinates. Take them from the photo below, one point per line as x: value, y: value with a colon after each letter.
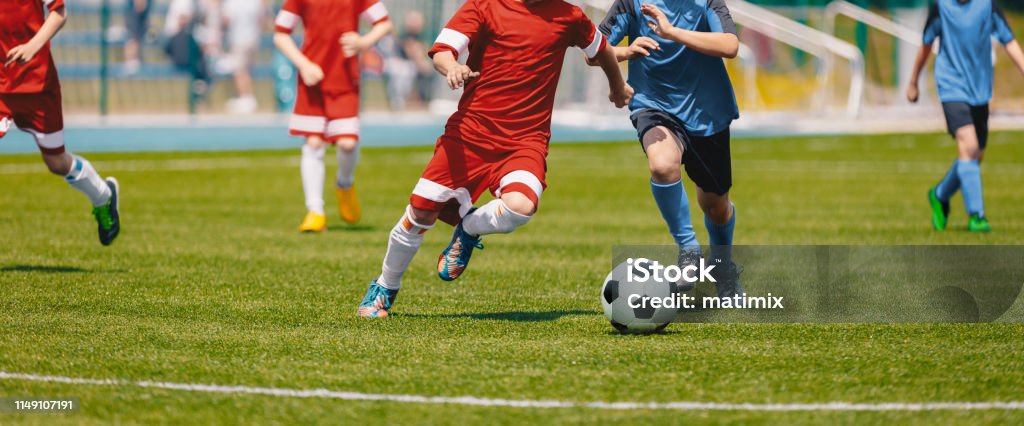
x: 20, y: 54
x: 913, y: 93
x: 621, y: 96
x: 658, y: 23
x: 311, y: 74
x: 459, y: 74
x: 351, y: 44
x: 642, y: 46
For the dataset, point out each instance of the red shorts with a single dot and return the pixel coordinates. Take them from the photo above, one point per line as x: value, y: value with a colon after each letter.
x: 39, y: 114
x: 457, y: 175
x: 329, y: 115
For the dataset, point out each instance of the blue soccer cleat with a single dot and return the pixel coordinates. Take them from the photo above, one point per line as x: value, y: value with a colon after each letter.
x: 454, y: 259
x: 377, y: 302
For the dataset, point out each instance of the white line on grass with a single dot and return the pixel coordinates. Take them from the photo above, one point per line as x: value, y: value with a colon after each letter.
x: 523, y: 403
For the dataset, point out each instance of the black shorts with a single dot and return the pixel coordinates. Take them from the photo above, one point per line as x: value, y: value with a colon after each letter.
x: 137, y: 21
x: 960, y: 114
x: 706, y: 158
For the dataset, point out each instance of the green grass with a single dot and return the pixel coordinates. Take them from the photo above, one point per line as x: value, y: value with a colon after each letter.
x: 210, y: 283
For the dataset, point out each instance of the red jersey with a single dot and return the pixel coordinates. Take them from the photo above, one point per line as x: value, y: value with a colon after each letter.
x: 20, y: 20
x: 518, y: 48
x: 324, y: 22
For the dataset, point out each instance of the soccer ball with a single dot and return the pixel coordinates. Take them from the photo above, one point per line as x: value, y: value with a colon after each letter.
x: 615, y: 297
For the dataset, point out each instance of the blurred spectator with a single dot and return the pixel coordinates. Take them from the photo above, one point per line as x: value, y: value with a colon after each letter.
x: 136, y: 19
x: 189, y: 37
x: 243, y: 19
x: 409, y: 68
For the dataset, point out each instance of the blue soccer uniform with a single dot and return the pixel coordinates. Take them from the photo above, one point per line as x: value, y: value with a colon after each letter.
x: 963, y: 74
x: 689, y: 94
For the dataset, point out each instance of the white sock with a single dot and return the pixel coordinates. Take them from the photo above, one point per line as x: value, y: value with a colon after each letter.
x: 346, y: 167
x: 85, y: 179
x: 405, y: 240
x: 493, y: 218
x: 312, y: 167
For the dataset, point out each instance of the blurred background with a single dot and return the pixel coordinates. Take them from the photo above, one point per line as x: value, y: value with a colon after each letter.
x: 805, y: 66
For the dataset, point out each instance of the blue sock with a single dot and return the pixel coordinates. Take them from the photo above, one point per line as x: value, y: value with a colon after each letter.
x: 949, y: 184
x: 721, y: 237
x: 675, y: 209
x: 970, y: 183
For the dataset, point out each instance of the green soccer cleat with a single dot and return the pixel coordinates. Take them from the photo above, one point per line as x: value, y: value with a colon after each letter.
x: 108, y: 216
x: 940, y: 211
x: 978, y: 224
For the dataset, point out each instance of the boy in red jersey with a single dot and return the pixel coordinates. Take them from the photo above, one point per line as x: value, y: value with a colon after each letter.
x: 498, y: 138
x: 30, y: 99
x: 327, y: 106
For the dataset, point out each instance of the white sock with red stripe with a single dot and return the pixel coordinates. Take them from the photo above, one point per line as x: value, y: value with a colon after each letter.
x: 312, y: 168
x: 85, y: 179
x: 405, y: 240
x: 493, y: 218
x: 346, y: 167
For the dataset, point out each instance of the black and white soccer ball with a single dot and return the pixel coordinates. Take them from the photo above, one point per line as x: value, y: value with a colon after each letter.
x: 615, y: 297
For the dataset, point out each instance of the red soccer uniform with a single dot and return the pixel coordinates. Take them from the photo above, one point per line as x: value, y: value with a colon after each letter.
x: 30, y: 92
x: 498, y: 138
x: 331, y: 108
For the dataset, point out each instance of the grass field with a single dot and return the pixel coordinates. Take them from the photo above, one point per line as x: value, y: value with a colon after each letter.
x: 210, y: 284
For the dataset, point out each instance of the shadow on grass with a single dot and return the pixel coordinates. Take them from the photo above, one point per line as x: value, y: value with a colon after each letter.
x: 519, y: 316
x: 39, y: 268
x: 351, y: 228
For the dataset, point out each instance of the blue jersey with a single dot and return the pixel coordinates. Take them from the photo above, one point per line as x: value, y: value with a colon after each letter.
x: 676, y: 79
x: 963, y: 69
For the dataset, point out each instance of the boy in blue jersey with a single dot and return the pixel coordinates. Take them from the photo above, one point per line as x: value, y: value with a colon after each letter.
x: 682, y: 109
x: 963, y: 74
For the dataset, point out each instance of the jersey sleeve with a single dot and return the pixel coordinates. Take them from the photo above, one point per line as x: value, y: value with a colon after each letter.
x: 53, y: 5
x: 374, y: 13
x: 460, y: 31
x: 933, y: 25
x: 584, y: 35
x: 1002, y: 32
x: 289, y: 16
x: 719, y: 18
x: 617, y: 23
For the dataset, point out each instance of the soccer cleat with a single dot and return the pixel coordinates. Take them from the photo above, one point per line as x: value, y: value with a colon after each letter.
x: 687, y: 257
x: 727, y: 279
x: 377, y: 302
x: 348, y: 204
x: 108, y: 217
x: 978, y: 224
x: 5, y: 125
x: 940, y: 210
x: 314, y: 222
x: 453, y: 260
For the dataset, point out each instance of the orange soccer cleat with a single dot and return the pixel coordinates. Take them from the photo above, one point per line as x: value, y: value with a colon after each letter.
x: 348, y: 204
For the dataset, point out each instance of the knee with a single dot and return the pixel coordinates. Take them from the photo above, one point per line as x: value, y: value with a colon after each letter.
x: 519, y: 203
x: 347, y: 144
x: 718, y: 210
x: 315, y: 142
x: 425, y: 218
x: 664, y: 170
x: 58, y: 164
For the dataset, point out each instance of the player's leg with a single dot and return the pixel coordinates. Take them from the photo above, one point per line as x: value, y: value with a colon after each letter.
x: 517, y: 182
x: 312, y: 168
x: 971, y: 141
x: 309, y: 120
x: 664, y: 153
x: 343, y: 131
x: 41, y: 116
x: 403, y: 243
x: 709, y: 164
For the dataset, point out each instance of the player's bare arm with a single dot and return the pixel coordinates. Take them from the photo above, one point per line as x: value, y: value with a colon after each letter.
x: 455, y: 73
x: 352, y: 43
x: 913, y: 91
x: 620, y: 92
x: 723, y: 45
x: 25, y: 52
x: 1016, y: 55
x: 310, y: 72
x: 642, y: 46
